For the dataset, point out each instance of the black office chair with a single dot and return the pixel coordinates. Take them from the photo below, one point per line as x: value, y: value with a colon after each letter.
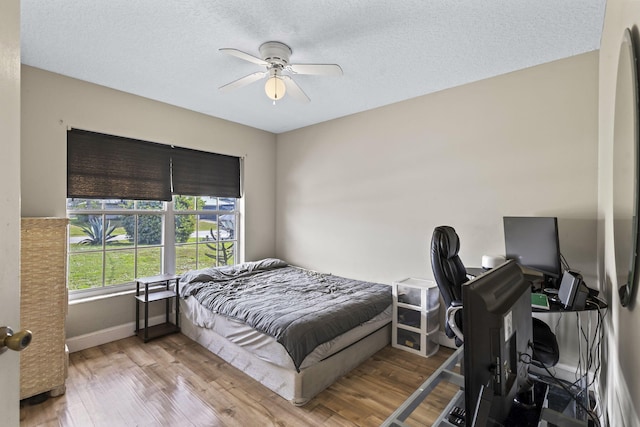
x: 450, y: 273
x: 545, y: 345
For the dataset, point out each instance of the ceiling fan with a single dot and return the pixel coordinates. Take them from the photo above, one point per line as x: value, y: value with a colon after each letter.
x: 275, y: 57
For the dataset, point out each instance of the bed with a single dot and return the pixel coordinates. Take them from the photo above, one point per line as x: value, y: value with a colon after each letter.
x: 294, y: 330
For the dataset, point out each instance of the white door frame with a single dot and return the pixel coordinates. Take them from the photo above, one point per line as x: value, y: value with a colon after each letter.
x: 10, y: 204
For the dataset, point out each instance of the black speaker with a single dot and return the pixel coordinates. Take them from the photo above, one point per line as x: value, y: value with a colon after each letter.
x: 573, y: 292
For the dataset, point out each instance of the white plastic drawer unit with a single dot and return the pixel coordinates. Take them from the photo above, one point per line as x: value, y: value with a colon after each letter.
x: 416, y: 320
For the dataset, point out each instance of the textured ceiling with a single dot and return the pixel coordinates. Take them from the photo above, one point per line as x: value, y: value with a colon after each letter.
x: 390, y: 51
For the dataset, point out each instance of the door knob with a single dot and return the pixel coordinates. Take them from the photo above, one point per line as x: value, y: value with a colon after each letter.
x: 17, y: 342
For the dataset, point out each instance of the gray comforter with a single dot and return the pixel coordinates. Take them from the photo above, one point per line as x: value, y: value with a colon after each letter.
x: 299, y: 308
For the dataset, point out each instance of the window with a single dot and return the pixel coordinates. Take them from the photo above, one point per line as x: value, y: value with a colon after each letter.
x: 128, y: 217
x: 214, y: 241
x: 113, y: 241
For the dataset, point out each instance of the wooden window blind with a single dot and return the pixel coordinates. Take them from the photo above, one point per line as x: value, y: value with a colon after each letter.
x: 200, y: 173
x: 105, y: 166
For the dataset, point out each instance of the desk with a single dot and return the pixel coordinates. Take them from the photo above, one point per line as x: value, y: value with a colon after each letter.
x: 446, y: 372
x: 555, y: 306
x: 587, y: 341
x: 473, y: 272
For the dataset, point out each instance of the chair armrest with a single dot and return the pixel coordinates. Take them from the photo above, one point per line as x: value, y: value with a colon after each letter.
x: 451, y: 319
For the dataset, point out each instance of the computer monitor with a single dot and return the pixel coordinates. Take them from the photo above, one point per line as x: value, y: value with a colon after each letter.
x: 533, y: 242
x: 497, y: 330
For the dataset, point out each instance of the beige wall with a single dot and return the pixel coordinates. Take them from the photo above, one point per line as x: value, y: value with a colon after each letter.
x: 621, y: 373
x: 360, y: 196
x: 10, y: 202
x: 51, y: 103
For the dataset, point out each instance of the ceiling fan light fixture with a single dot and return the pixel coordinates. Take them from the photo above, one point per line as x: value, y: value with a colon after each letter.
x: 275, y: 58
x: 275, y: 88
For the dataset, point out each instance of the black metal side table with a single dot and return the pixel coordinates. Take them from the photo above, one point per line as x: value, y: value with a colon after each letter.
x: 166, y: 294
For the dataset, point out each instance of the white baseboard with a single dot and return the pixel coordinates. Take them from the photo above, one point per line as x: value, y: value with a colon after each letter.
x: 621, y: 410
x: 107, y: 335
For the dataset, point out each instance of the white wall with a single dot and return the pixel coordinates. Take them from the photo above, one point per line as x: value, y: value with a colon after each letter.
x: 10, y: 202
x: 622, y: 372
x: 51, y: 103
x: 360, y: 196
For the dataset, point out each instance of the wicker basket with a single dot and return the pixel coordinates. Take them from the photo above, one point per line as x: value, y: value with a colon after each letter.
x: 43, y: 304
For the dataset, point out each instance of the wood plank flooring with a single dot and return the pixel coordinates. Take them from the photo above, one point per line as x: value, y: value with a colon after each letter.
x: 173, y: 381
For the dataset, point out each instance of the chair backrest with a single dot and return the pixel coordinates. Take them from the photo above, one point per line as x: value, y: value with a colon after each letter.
x: 448, y: 269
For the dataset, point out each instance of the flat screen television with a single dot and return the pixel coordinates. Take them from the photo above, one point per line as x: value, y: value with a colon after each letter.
x: 497, y: 330
x: 533, y: 242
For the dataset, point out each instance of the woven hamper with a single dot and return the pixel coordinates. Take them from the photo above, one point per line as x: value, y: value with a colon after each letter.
x: 43, y: 305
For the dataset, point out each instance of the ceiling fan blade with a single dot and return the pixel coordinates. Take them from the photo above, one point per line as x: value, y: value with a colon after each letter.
x: 317, y: 69
x: 294, y: 90
x: 242, y: 55
x: 243, y: 81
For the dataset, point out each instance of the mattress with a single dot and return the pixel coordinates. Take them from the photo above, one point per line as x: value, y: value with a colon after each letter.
x: 300, y: 308
x: 246, y: 315
x: 266, y: 347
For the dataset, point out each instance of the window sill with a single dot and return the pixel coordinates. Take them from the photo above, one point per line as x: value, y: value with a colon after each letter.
x: 93, y: 298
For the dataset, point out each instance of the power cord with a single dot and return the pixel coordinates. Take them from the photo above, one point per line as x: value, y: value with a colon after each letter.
x: 593, y: 353
x: 564, y: 262
x: 591, y: 415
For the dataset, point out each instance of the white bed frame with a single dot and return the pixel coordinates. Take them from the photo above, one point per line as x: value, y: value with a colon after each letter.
x: 296, y: 387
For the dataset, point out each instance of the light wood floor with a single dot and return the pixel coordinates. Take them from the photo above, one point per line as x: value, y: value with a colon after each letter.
x: 173, y: 381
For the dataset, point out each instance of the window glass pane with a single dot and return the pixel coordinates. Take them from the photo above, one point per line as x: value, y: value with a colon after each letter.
x: 190, y: 203
x: 208, y: 219
x: 199, y: 203
x: 149, y: 262
x: 149, y: 205
x: 78, y: 234
x: 117, y: 234
x: 149, y: 229
x: 227, y: 227
x: 85, y: 270
x: 185, y: 228
x: 119, y: 267
x: 118, y: 204
x: 185, y: 258
x: 87, y: 232
x: 227, y: 204
x: 83, y: 204
x: 217, y: 253
x: 209, y: 203
x: 207, y: 227
x: 184, y: 203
